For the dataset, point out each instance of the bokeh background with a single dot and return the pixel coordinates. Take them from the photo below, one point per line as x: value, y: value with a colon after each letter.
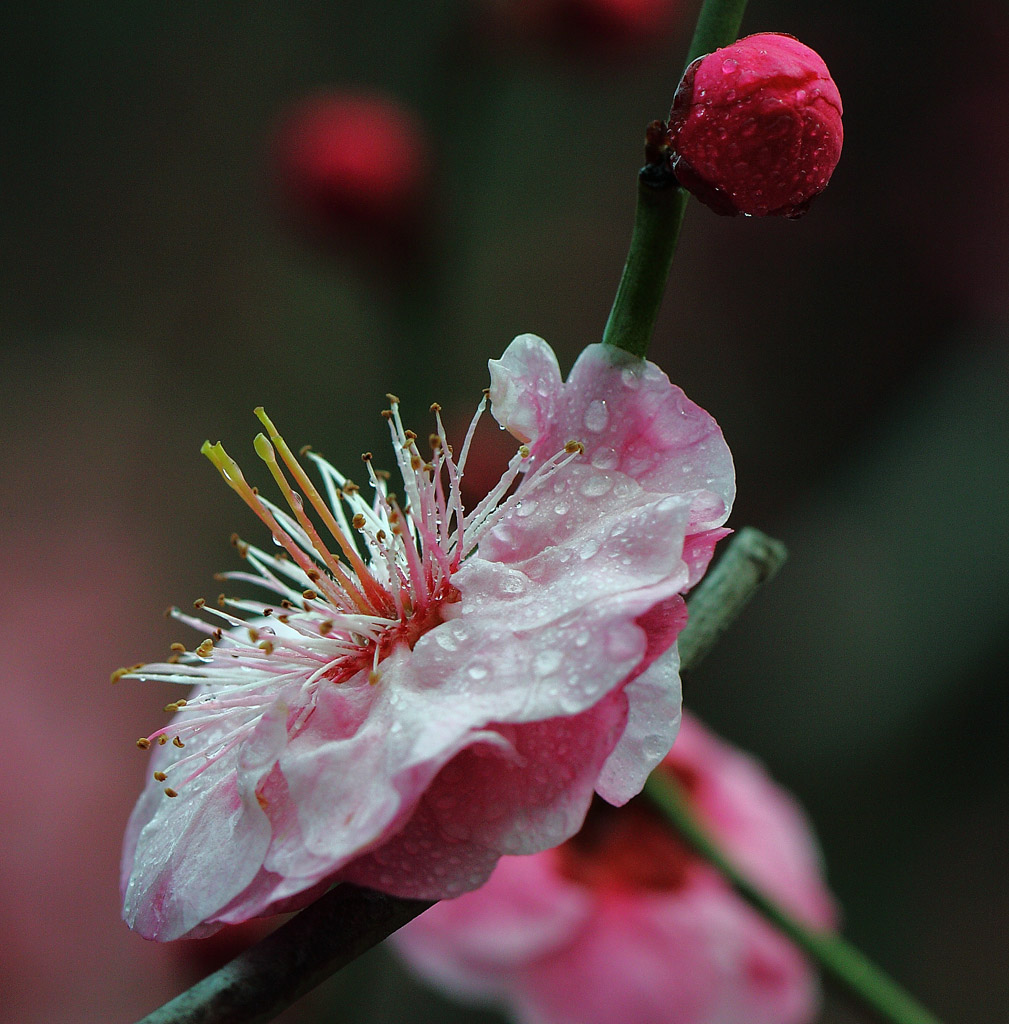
x: 154, y: 288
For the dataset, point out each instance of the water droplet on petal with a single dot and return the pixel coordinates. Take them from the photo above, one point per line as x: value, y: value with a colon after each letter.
x: 513, y: 583
x: 547, y: 662
x: 596, y: 416
x: 596, y: 486
x: 605, y: 458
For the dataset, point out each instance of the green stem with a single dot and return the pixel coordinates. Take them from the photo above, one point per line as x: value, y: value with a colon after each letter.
x: 750, y: 559
x: 657, y: 223
x: 659, y: 215
x: 717, y: 25
x: 836, y: 957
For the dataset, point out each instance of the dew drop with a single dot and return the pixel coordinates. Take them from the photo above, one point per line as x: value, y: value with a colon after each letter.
x: 562, y: 508
x: 728, y: 66
x: 445, y: 640
x: 477, y: 672
x: 513, y: 583
x: 596, y: 416
x: 605, y: 458
x: 525, y: 508
x: 630, y: 378
x: 596, y: 486
x: 547, y: 662
x: 589, y: 549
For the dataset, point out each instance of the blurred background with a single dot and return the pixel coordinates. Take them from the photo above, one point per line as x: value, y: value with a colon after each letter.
x: 167, y: 262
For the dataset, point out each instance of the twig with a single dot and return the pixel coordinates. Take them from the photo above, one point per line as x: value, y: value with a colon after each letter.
x: 264, y: 980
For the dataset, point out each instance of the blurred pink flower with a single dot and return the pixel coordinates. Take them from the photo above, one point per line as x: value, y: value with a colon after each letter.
x: 404, y: 722
x: 624, y: 925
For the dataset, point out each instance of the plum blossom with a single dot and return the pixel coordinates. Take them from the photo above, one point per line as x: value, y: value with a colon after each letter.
x: 444, y: 686
x: 624, y: 925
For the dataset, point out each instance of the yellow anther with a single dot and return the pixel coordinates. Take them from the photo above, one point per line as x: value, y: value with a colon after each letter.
x: 366, y: 456
x: 326, y: 627
x: 180, y: 648
x: 358, y: 521
x: 118, y: 674
x: 199, y: 603
x: 416, y: 462
x: 170, y: 792
x: 393, y: 399
x: 160, y: 776
x: 374, y: 676
x: 177, y: 742
x: 162, y: 740
x: 524, y: 451
x: 144, y: 743
x: 266, y: 646
x: 574, y: 446
x: 206, y: 648
x: 309, y: 595
x: 435, y: 407
x: 253, y: 635
x: 171, y: 708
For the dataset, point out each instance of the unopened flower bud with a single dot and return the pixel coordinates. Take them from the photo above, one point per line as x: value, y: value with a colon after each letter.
x: 352, y: 168
x: 756, y: 127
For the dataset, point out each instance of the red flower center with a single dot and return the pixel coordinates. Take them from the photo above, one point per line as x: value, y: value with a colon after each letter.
x: 630, y: 848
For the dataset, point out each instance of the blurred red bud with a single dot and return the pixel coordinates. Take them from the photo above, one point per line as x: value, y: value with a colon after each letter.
x: 353, y: 168
x: 756, y: 127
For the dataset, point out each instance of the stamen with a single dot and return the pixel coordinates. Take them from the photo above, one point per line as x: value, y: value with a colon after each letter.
x: 266, y: 452
x: 228, y: 469
x: 371, y: 587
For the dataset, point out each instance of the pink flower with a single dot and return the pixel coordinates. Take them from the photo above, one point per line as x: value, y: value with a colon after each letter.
x: 624, y: 925
x: 402, y: 720
x: 756, y: 127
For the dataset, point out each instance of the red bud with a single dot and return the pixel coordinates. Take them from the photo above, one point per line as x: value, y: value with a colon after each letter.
x: 756, y: 127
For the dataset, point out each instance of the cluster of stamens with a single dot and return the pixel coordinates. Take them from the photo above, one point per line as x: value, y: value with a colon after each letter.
x: 335, y: 616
